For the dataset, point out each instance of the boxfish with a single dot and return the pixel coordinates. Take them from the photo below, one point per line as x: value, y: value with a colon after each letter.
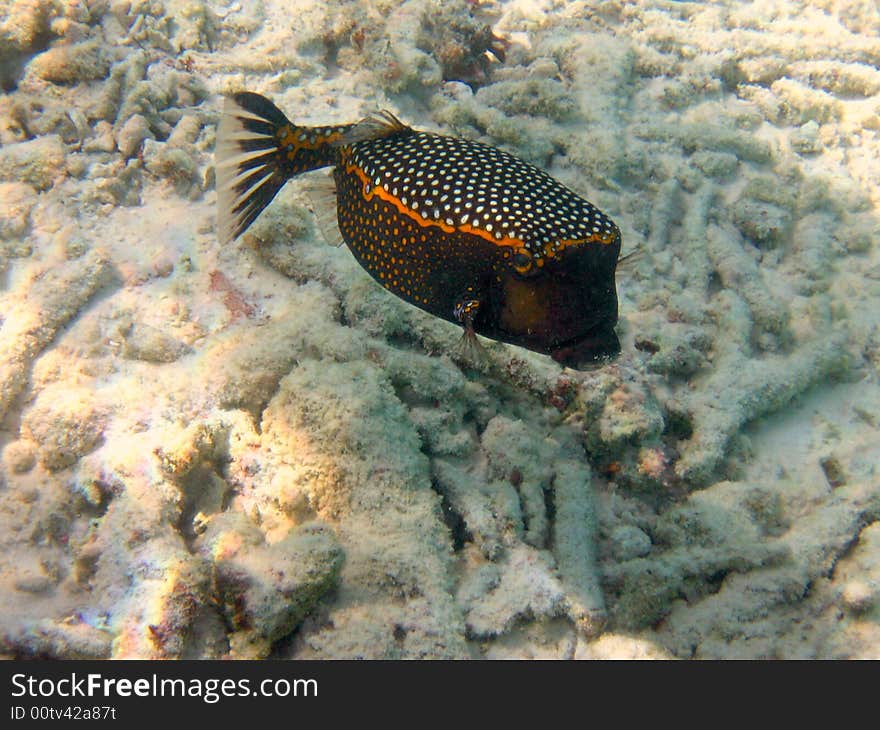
x: 463, y: 230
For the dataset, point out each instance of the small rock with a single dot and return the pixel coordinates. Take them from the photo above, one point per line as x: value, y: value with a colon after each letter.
x: 135, y: 130
x: 764, y: 223
x: 173, y: 164
x: 143, y: 342
x: 266, y: 590
x: 833, y: 471
x: 33, y: 583
x: 66, y: 424
x: 805, y: 139
x: 70, y: 64
x: 38, y: 162
x: 629, y: 542
x: 18, y: 201
x: 71, y: 638
x: 103, y: 140
x: 858, y: 596
x: 23, y: 23
x: 628, y: 415
x: 185, y: 132
x: 33, y: 576
x: 20, y: 456
x: 162, y: 265
x: 720, y: 165
x: 544, y: 68
x: 458, y: 90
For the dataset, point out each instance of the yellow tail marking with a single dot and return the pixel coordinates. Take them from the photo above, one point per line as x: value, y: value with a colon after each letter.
x: 301, y: 140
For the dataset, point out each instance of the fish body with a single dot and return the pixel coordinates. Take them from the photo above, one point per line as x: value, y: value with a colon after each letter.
x: 463, y: 230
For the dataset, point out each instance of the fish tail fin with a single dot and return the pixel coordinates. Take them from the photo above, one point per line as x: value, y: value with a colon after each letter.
x: 258, y: 150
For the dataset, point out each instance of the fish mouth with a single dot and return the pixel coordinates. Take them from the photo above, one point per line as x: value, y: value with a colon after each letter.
x: 589, y: 351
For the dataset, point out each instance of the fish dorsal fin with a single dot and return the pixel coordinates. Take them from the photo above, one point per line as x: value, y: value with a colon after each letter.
x: 374, y: 126
x: 320, y: 189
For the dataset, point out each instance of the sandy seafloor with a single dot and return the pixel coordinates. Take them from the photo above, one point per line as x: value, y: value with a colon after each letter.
x: 255, y: 451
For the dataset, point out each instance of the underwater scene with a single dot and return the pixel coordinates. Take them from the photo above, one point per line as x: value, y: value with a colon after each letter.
x: 382, y: 329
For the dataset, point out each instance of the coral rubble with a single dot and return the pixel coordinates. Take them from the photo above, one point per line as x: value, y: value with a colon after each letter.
x: 255, y: 451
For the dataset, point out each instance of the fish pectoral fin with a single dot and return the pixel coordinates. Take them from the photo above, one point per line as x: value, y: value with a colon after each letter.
x: 466, y: 308
x: 470, y: 351
x: 626, y: 264
x: 320, y: 189
x: 465, y: 311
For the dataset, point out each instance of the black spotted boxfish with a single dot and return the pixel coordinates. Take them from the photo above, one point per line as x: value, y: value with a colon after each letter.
x: 460, y: 229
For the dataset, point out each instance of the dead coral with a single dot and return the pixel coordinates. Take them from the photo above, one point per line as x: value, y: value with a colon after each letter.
x: 44, y: 306
x: 462, y: 45
x: 265, y: 591
x: 431, y: 42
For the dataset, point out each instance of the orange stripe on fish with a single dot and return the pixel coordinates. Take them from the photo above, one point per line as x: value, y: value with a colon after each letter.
x: 378, y: 190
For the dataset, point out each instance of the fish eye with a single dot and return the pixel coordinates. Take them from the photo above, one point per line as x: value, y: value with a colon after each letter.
x: 522, y: 262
